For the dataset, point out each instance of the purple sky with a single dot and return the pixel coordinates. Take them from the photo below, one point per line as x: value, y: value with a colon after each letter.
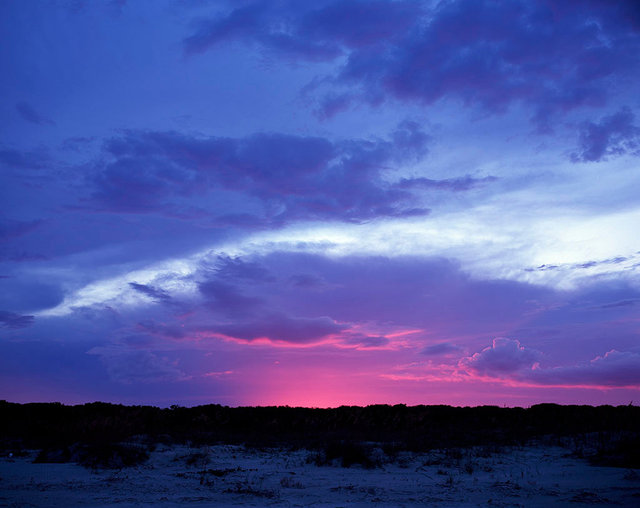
x: 320, y: 203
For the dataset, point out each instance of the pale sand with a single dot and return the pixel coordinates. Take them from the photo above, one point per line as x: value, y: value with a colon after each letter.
x: 235, y: 476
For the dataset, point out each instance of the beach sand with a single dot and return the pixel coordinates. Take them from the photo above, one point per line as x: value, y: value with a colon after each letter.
x: 534, y: 476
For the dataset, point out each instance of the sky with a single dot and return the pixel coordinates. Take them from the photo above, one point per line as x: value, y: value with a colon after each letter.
x: 276, y: 202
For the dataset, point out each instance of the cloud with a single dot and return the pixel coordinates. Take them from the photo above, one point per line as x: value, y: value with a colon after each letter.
x: 614, y: 135
x: 282, y: 328
x: 11, y: 229
x: 503, y: 357
x: 27, y: 294
x: 509, y: 361
x: 613, y: 369
x: 77, y: 143
x: 459, y: 184
x: 225, y: 298
x: 172, y: 331
x: 484, y: 53
x: 364, y: 341
x: 444, y: 348
x: 15, y: 321
x: 234, y: 267
x: 259, y: 179
x: 31, y: 115
x: 151, y: 291
x: 299, y: 30
x: 132, y: 366
x: 620, y: 303
x: 33, y: 159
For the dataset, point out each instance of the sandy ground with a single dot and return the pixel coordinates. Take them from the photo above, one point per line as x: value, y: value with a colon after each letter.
x: 235, y: 476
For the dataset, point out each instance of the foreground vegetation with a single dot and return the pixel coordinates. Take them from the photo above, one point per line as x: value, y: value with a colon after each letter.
x: 111, y: 435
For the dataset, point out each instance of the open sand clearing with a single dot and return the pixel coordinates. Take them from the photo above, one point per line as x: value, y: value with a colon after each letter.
x: 236, y: 476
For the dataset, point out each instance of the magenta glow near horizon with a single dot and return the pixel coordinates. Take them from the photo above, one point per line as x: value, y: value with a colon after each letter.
x: 320, y: 203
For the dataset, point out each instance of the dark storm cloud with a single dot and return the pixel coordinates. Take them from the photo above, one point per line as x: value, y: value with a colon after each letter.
x: 551, y: 56
x: 612, y: 136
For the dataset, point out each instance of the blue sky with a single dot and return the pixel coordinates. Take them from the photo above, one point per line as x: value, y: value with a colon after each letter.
x: 281, y: 202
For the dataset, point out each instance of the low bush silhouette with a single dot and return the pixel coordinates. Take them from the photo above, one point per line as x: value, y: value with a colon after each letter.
x: 111, y: 456
x: 54, y: 428
x: 347, y: 454
x: 96, y: 455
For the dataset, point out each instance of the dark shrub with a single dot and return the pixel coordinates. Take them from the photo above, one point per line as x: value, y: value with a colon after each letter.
x: 53, y: 456
x: 110, y: 456
x: 618, y: 451
x: 349, y: 453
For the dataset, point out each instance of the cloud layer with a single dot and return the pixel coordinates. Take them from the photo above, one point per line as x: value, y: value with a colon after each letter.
x: 484, y: 53
x: 328, y: 202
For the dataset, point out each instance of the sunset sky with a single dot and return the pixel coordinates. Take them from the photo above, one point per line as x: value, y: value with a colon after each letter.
x: 320, y: 203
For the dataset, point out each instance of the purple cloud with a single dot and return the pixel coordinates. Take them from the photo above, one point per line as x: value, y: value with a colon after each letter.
x: 614, y: 369
x: 229, y: 267
x: 151, y: 291
x: 286, y: 177
x: 444, y: 348
x: 26, y: 294
x: 459, y: 184
x: 10, y: 229
x: 614, y: 135
x: 364, y: 341
x: 306, y: 31
x: 15, y: 321
x: 161, y: 330
x: 481, y: 52
x: 34, y: 159
x: 503, y: 357
x: 279, y: 327
x: 620, y: 303
x: 132, y: 366
x: 507, y: 360
x: 31, y: 115
x: 224, y: 298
